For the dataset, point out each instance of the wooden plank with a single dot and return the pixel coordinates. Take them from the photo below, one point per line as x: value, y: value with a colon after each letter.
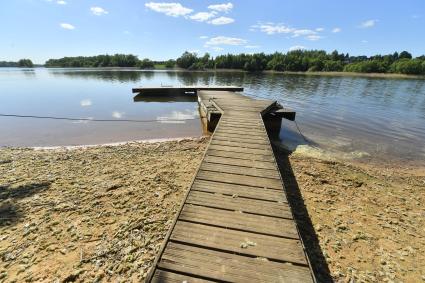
x: 162, y: 276
x: 245, y: 156
x: 241, y: 149
x: 238, y: 127
x: 165, y: 89
x: 239, y: 190
x: 235, y: 224
x: 239, y: 170
x: 240, y: 162
x: 241, y: 108
x: 240, y: 180
x: 272, y: 248
x: 239, y: 143
x: 242, y: 129
x: 245, y: 115
x: 259, y: 207
x: 258, y: 130
x: 242, y: 134
x: 244, y: 123
x: 230, y: 267
x: 244, y: 138
x: 242, y: 120
x: 260, y: 105
x: 240, y: 221
x: 221, y: 137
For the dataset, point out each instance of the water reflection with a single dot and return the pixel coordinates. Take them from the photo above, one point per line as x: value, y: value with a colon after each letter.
x: 375, y: 115
x: 105, y: 75
x: 179, y: 117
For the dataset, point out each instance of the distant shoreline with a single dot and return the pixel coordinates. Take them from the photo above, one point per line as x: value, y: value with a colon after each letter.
x: 326, y: 74
x: 351, y: 74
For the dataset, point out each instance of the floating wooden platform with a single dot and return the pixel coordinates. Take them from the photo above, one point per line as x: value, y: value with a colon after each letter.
x: 235, y: 224
x: 165, y: 90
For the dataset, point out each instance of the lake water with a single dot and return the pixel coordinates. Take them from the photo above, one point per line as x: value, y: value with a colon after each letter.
x: 375, y: 117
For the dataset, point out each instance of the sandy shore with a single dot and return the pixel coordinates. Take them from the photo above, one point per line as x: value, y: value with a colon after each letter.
x: 368, y: 221
x: 90, y: 214
x: 100, y: 213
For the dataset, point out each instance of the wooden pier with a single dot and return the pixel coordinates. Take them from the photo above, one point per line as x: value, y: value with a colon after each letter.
x: 235, y: 223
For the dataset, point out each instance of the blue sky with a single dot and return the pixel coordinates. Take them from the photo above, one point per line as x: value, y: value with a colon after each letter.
x: 43, y: 29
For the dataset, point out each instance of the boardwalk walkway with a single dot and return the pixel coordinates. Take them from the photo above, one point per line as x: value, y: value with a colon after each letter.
x: 235, y: 224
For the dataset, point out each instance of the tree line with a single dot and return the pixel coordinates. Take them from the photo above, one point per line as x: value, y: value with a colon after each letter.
x: 116, y: 60
x: 23, y: 63
x: 292, y: 61
x: 307, y: 61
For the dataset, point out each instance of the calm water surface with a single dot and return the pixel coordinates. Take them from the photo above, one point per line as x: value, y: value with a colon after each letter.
x: 345, y: 115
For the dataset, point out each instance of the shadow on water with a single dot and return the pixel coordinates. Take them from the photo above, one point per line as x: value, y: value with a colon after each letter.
x: 160, y: 98
x: 9, y: 209
x: 299, y: 209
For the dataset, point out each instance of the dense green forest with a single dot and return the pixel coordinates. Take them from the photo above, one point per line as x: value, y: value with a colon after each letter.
x: 293, y: 61
x: 117, y: 60
x: 25, y: 63
x: 307, y: 61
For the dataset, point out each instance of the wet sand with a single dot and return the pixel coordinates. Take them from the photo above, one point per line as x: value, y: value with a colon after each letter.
x: 99, y: 214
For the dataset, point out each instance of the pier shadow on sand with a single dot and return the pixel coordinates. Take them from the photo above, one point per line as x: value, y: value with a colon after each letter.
x: 302, y: 218
x: 299, y: 209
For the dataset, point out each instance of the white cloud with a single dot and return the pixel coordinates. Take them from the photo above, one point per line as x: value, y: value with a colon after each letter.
x: 313, y: 37
x: 221, y: 7
x: 303, y: 32
x: 297, y: 47
x: 252, y: 46
x: 224, y: 40
x: 368, y: 24
x: 271, y: 28
x: 117, y: 115
x: 61, y: 2
x: 67, y: 26
x: 221, y: 21
x: 127, y: 32
x: 85, y: 102
x: 335, y: 30
x: 203, y: 16
x: 194, y: 51
x: 364, y: 41
x: 169, y: 9
x: 203, y: 37
x: 98, y: 11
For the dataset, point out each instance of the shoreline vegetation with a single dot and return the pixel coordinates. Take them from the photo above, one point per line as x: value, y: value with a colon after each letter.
x: 23, y: 63
x: 100, y: 213
x: 296, y: 61
x: 325, y: 74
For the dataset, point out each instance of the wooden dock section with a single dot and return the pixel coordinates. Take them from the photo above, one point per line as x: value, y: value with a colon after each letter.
x: 235, y: 224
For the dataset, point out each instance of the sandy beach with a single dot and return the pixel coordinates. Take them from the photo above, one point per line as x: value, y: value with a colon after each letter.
x: 100, y: 213
x: 368, y: 220
x: 90, y: 214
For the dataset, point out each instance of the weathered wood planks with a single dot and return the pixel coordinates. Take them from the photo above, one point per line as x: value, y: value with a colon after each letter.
x: 235, y: 224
